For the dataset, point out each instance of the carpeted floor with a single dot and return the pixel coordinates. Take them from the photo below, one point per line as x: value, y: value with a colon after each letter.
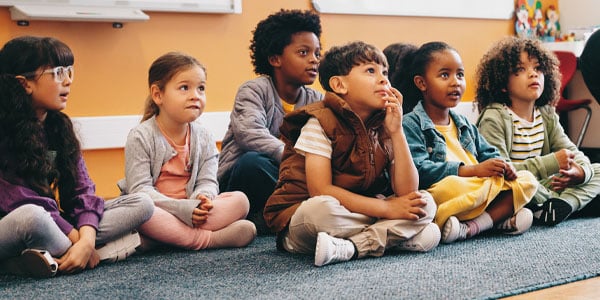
x: 489, y: 266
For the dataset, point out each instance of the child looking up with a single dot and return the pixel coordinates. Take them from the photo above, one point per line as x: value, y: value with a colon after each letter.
x: 285, y: 52
x: 347, y: 186
x: 449, y: 152
x: 518, y: 87
x: 50, y: 217
x: 173, y: 159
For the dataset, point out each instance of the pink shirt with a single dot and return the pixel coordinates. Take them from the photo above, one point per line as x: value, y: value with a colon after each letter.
x: 174, y: 174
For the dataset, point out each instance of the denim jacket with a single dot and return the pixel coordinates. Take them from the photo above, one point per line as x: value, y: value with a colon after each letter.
x: 428, y: 146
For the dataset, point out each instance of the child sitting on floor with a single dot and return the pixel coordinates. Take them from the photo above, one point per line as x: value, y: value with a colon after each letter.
x: 518, y: 87
x: 347, y: 185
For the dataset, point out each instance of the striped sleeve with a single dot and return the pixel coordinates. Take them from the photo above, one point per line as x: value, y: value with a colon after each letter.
x: 313, y: 140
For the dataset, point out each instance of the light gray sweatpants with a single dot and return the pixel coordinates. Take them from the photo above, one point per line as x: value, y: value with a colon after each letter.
x: 371, y: 236
x: 30, y: 226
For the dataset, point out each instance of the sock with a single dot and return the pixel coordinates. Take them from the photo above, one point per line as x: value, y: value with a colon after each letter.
x: 238, y: 234
x: 480, y: 224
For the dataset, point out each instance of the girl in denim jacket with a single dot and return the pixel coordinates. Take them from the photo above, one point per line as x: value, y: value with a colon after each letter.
x: 474, y: 188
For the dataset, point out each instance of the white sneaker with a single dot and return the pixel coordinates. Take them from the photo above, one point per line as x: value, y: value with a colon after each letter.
x: 331, y: 250
x: 120, y: 248
x: 518, y: 223
x: 31, y: 263
x: 454, y: 230
x: 427, y: 239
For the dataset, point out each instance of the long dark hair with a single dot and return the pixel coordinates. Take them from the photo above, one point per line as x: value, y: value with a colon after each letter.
x: 25, y: 141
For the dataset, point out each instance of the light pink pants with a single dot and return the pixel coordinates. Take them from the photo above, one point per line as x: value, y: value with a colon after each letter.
x: 165, y: 228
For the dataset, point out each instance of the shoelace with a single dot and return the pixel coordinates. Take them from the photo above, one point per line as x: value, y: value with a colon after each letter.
x: 341, y: 250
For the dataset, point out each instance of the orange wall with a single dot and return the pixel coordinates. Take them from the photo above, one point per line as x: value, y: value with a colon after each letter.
x: 111, y: 64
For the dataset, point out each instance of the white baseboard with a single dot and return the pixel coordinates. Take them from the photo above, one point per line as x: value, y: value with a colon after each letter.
x: 110, y: 132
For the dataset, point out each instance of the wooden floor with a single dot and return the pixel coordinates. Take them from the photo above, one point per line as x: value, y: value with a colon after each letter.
x: 580, y: 290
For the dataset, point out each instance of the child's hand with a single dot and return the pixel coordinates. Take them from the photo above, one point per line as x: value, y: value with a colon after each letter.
x: 393, y: 111
x: 205, y: 202
x: 565, y: 158
x: 568, y: 178
x: 79, y: 256
x: 510, y: 173
x: 200, y: 213
x: 488, y: 168
x: 407, y: 207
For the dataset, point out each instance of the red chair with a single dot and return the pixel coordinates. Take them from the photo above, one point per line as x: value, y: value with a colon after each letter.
x: 568, y: 66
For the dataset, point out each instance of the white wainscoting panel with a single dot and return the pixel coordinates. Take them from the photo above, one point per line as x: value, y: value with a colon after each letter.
x: 468, y: 110
x: 110, y: 132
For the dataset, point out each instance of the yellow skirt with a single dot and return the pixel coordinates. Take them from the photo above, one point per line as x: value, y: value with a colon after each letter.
x: 468, y: 197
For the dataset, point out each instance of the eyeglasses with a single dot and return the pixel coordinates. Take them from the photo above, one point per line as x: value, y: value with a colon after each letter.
x: 60, y: 73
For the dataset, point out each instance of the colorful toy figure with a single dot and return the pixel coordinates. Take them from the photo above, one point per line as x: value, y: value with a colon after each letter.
x: 552, y: 24
x: 538, y: 20
x: 522, y: 25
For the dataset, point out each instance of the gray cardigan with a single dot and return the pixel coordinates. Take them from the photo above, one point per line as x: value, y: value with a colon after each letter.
x: 255, y: 120
x: 147, y: 150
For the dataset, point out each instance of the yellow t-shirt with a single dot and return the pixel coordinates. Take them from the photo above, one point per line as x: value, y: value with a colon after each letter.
x: 455, y: 152
x: 287, y: 108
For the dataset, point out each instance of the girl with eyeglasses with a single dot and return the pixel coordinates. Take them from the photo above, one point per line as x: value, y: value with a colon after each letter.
x: 50, y: 218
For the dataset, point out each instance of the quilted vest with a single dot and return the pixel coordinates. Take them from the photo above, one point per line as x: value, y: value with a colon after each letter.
x: 359, y: 158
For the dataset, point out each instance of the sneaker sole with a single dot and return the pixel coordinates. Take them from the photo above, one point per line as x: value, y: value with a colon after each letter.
x: 447, y: 238
x: 525, y: 224
x: 319, y: 261
x: 119, y: 249
x: 432, y: 235
x: 560, y: 211
x: 32, y: 263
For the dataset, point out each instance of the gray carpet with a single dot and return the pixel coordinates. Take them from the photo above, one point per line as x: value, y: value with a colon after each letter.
x: 489, y: 266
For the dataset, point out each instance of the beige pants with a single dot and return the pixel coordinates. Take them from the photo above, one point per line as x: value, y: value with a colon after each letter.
x: 371, y: 236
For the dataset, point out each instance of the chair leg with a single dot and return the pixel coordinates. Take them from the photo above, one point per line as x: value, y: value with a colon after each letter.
x: 584, y: 126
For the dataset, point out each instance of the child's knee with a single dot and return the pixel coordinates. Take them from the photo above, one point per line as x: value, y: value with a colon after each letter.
x: 32, y: 217
x: 430, y: 207
x: 318, y: 208
x: 144, y: 205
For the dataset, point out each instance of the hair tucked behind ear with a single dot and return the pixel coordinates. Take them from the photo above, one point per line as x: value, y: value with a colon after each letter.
x: 420, y: 59
x: 25, y: 141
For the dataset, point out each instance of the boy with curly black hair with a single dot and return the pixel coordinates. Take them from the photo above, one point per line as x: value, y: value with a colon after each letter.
x: 285, y: 52
x: 518, y: 87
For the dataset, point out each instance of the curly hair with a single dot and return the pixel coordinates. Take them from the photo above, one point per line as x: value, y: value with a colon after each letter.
x: 420, y: 59
x: 162, y: 71
x: 275, y: 32
x: 400, y: 56
x: 25, y: 142
x: 502, y: 60
x: 340, y: 60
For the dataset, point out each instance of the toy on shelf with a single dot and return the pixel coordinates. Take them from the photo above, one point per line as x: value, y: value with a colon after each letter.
x: 552, y: 24
x: 538, y: 20
x: 522, y: 25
